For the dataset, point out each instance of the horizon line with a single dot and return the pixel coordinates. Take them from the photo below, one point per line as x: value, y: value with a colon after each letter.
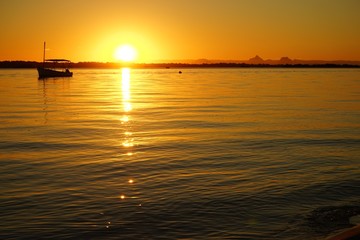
x: 303, y: 64
x: 253, y: 60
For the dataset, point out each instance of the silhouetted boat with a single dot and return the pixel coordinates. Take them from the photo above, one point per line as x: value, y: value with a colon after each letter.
x: 46, y: 72
x: 52, y: 72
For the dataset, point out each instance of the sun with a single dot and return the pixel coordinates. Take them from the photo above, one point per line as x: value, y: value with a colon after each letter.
x: 126, y: 53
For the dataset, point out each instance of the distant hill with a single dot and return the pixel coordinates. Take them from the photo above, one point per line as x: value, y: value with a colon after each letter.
x: 257, y: 60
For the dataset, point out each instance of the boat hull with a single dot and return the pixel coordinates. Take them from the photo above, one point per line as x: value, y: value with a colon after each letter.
x: 48, y: 73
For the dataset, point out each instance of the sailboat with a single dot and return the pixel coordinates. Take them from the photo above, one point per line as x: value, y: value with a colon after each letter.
x: 50, y: 67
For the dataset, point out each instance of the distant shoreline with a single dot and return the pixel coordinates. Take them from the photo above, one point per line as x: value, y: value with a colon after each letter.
x: 110, y: 65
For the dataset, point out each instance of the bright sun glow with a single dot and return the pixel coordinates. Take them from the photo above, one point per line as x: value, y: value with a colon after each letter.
x: 125, y: 53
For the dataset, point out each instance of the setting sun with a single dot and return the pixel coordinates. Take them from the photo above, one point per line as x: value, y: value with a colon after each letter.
x: 126, y: 53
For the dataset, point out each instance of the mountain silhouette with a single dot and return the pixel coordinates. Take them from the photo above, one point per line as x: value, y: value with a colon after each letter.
x: 256, y: 60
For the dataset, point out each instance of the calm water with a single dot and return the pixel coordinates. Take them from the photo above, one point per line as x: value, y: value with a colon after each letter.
x: 153, y: 154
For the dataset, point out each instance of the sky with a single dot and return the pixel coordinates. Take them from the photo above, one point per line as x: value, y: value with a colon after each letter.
x: 170, y: 30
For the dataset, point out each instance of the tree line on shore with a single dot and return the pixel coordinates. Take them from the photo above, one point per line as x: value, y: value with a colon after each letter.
x: 112, y: 65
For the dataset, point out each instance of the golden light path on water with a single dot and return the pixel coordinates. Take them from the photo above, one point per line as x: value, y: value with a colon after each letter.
x: 128, y: 141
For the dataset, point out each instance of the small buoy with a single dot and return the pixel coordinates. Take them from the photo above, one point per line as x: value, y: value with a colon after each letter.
x: 180, y: 72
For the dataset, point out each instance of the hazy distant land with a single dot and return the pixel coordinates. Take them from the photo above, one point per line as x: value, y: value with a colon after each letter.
x: 201, y: 63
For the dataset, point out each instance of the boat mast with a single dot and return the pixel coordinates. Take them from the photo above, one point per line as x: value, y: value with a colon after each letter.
x: 44, y: 54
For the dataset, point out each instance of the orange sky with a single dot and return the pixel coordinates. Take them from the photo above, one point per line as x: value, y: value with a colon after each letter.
x: 91, y: 30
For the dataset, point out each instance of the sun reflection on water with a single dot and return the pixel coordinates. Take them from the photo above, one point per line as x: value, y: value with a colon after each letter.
x: 126, y: 93
x: 125, y: 119
x: 128, y: 141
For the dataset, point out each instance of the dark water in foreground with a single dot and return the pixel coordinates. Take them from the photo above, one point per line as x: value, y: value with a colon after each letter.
x: 153, y: 154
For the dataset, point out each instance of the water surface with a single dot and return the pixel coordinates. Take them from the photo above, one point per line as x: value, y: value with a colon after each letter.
x: 153, y: 154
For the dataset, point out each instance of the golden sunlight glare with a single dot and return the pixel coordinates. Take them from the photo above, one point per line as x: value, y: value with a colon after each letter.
x: 126, y: 53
